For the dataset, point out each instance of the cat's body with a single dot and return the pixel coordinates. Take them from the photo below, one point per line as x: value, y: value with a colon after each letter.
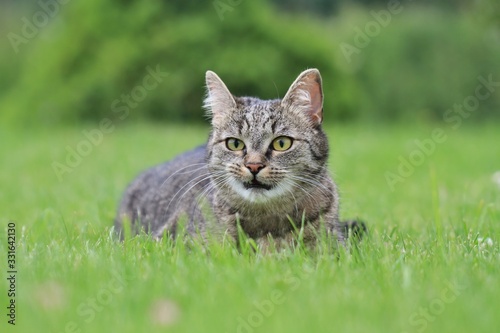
x: 264, y: 167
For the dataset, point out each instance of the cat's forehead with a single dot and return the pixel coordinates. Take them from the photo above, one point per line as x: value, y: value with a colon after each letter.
x: 258, y: 121
x: 254, y: 112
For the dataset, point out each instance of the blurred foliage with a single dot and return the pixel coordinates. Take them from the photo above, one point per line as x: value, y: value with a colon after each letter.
x: 93, y: 52
x: 329, y: 7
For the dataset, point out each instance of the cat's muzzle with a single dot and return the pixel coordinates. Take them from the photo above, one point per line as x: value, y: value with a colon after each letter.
x: 255, y: 184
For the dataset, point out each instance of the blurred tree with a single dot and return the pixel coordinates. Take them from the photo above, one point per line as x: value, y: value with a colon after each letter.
x: 488, y: 12
x: 322, y: 7
x: 94, y: 53
x: 329, y: 7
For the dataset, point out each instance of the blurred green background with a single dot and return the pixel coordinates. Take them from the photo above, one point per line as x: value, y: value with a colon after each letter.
x: 392, y: 72
x: 68, y: 62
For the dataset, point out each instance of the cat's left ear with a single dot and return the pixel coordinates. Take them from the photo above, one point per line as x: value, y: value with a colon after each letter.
x: 305, y: 96
x: 219, y: 102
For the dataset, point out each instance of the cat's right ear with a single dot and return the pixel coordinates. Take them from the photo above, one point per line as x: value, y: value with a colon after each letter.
x: 305, y: 97
x: 219, y: 102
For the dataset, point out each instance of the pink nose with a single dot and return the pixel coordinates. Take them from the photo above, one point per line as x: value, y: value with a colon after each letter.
x: 255, y: 167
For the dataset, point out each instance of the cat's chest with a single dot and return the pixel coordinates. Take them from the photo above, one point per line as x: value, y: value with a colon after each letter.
x: 280, y: 234
x: 262, y: 226
x: 259, y: 226
x: 280, y: 221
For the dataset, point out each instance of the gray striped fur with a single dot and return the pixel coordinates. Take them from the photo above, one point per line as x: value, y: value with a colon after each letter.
x: 207, y: 184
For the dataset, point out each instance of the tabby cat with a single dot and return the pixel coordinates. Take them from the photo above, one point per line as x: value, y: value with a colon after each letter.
x: 263, y: 168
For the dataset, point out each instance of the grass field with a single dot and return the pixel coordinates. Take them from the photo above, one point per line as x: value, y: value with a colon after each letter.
x: 431, y: 262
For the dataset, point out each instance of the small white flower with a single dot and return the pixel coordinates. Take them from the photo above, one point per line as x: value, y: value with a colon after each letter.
x: 496, y: 178
x: 483, y: 243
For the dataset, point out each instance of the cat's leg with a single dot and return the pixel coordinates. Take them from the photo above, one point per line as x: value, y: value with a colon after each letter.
x: 353, y: 229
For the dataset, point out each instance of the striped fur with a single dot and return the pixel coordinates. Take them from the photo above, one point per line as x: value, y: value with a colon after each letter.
x: 214, y: 187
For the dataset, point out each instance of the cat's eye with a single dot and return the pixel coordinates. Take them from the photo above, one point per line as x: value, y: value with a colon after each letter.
x: 234, y: 144
x: 282, y: 143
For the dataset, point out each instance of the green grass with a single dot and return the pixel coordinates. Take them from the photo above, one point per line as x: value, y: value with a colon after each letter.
x: 425, y: 236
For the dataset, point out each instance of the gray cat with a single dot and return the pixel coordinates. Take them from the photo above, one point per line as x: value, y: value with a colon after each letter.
x: 263, y: 168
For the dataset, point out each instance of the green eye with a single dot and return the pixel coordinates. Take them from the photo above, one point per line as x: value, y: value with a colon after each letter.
x: 234, y: 144
x: 282, y: 143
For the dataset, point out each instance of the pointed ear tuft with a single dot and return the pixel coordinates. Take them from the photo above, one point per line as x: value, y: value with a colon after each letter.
x: 219, y: 102
x: 305, y: 96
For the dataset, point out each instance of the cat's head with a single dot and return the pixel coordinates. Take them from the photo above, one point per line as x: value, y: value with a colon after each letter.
x: 266, y: 151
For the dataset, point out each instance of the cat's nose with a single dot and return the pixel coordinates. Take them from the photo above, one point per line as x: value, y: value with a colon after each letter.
x: 255, y: 167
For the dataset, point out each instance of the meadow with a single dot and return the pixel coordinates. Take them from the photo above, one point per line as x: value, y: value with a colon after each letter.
x: 430, y: 263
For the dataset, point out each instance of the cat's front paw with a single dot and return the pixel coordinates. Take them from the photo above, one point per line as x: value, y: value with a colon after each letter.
x: 353, y: 229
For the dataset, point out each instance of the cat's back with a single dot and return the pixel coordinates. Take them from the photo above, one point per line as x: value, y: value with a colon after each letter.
x: 162, y: 193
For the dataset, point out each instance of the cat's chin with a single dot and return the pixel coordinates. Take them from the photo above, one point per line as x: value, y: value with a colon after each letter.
x: 259, y: 193
x: 257, y: 185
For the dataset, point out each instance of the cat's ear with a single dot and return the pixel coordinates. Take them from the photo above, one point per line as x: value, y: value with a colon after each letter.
x: 219, y: 102
x: 305, y: 96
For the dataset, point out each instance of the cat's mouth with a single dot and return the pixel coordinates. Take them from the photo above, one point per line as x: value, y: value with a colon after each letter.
x: 255, y: 184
